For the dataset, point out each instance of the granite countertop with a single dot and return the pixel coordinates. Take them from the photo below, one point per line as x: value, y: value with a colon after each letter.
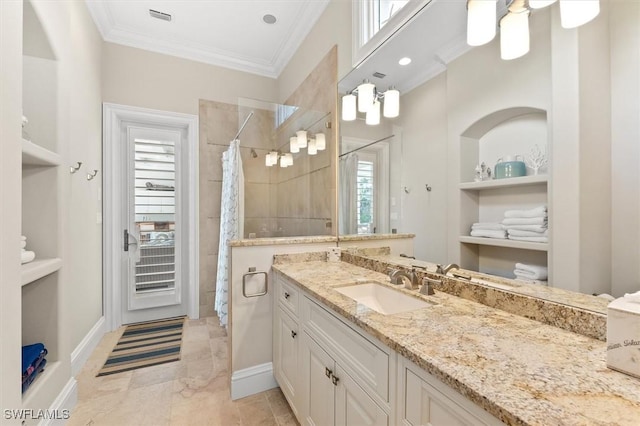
x: 522, y: 371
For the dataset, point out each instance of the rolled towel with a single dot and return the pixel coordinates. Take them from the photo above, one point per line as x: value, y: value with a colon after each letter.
x: 535, y: 272
x: 530, y: 239
x: 488, y: 226
x: 532, y: 228
x: 28, y: 256
x: 23, y: 238
x: 525, y: 221
x: 540, y: 211
x: 488, y: 233
x: 523, y: 233
x: 23, y: 244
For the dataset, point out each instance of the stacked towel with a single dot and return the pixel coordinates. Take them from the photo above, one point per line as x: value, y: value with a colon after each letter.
x: 530, y: 272
x: 26, y: 256
x: 527, y: 225
x: 33, y: 362
x: 488, y: 230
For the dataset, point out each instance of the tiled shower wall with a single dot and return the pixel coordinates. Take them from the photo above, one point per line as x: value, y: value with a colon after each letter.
x: 299, y: 200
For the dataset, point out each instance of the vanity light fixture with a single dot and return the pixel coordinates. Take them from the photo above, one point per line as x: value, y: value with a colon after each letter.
x: 391, y: 103
x: 514, y: 32
x: 390, y: 98
x: 312, y: 149
x: 514, y: 26
x: 293, y: 145
x: 481, y: 21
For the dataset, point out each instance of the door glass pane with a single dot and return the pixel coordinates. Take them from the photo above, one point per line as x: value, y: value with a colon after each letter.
x: 155, y: 215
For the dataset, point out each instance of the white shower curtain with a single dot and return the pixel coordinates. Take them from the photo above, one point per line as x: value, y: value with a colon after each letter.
x: 231, y: 222
x: 348, y: 223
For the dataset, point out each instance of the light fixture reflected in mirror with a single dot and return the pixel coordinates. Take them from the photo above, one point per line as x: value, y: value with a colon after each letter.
x: 293, y: 144
x: 312, y: 148
x: 366, y: 96
x: 539, y: 4
x: 373, y: 115
x: 302, y: 138
x: 481, y: 21
x: 391, y: 103
x: 349, y: 107
x: 321, y: 142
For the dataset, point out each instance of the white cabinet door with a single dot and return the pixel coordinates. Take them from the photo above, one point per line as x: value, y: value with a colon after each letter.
x: 353, y: 405
x: 316, y: 387
x: 286, y: 352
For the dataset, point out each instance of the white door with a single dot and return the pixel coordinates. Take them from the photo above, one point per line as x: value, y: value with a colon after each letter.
x: 153, y: 234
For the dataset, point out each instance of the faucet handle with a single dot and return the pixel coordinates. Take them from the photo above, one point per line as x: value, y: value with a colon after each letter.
x: 439, y: 269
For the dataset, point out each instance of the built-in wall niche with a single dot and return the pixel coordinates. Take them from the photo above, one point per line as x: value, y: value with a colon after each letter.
x: 40, y: 213
x: 40, y: 314
x: 510, y: 132
x: 39, y: 82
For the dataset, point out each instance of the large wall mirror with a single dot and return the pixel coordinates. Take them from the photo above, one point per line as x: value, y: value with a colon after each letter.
x: 573, y: 97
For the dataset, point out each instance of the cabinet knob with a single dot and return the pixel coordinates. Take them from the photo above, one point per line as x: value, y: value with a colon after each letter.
x: 286, y: 295
x: 293, y: 334
x: 328, y: 372
x: 334, y: 380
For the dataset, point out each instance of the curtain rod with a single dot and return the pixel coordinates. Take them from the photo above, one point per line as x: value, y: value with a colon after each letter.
x: 367, y: 145
x: 243, y: 124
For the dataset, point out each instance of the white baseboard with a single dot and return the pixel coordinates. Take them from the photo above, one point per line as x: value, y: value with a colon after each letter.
x: 252, y: 380
x: 61, y: 407
x: 81, y: 353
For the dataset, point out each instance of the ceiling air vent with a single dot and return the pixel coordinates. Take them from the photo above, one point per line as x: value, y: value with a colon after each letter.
x: 379, y: 75
x: 159, y: 15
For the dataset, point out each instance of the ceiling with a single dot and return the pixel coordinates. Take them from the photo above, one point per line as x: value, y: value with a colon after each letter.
x: 227, y: 33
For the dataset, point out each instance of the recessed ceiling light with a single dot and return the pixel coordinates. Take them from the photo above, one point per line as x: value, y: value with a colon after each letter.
x: 404, y: 61
x: 159, y: 15
x: 269, y: 19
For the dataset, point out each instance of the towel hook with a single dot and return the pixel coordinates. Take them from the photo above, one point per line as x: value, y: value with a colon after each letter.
x: 73, y: 169
x: 428, y: 187
x: 90, y: 176
x: 407, y: 190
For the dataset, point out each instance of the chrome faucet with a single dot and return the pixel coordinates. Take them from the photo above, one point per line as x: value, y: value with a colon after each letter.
x: 411, y: 281
x: 443, y: 270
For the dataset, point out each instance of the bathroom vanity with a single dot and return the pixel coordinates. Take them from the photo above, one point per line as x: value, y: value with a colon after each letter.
x: 453, y: 361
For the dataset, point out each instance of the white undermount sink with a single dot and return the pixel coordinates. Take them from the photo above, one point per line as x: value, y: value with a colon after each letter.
x: 382, y: 299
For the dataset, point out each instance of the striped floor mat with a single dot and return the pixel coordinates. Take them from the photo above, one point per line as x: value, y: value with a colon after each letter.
x: 144, y: 345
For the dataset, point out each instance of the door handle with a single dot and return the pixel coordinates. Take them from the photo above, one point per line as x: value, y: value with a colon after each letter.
x: 334, y: 380
x: 126, y: 242
x: 328, y: 372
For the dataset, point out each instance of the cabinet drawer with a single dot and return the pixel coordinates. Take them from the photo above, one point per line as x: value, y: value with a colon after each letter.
x: 288, y: 296
x: 369, y: 362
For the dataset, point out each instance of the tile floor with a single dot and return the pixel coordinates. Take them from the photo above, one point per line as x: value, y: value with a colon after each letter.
x: 192, y: 391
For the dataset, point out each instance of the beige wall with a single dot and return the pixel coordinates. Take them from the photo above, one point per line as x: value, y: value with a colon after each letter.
x: 151, y: 80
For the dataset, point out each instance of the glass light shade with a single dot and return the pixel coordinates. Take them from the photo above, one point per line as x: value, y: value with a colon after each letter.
x: 514, y: 35
x: 313, y: 149
x: 293, y: 144
x: 321, y: 142
x: 267, y: 160
x: 288, y: 157
x: 274, y: 157
x: 539, y: 4
x: 574, y: 13
x: 366, y: 95
x: 373, y: 115
x: 283, y: 162
x: 391, y: 103
x: 349, y: 107
x: 481, y: 21
x: 302, y: 138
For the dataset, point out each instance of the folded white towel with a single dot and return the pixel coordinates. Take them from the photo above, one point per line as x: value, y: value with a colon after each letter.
x: 487, y: 225
x: 530, y: 239
x: 488, y: 233
x: 532, y: 228
x: 528, y: 281
x: 534, y: 271
x: 28, y: 256
x: 23, y: 238
x: 524, y: 233
x: 632, y: 297
x: 23, y: 244
x: 525, y: 221
x: 535, y: 212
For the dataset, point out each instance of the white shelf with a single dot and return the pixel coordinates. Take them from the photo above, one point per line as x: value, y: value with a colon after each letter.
x: 497, y: 242
x: 35, y: 155
x: 36, y: 396
x: 503, y: 183
x: 39, y: 268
